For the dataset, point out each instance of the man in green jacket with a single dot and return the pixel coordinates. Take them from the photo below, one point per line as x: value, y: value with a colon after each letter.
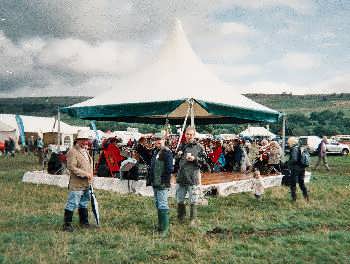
x: 190, y: 158
x: 160, y: 174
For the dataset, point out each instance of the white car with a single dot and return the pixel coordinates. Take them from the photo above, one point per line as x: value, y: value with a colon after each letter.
x: 333, y: 146
x: 337, y: 148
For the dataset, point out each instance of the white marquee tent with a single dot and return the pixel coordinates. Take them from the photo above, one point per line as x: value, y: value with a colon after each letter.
x: 40, y: 125
x: 7, y: 131
x: 257, y: 132
x: 162, y: 91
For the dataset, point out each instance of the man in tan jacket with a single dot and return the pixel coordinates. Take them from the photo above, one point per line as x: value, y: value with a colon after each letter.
x: 80, y: 167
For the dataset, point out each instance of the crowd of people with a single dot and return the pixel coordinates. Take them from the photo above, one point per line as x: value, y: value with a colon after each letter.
x: 157, y: 157
x: 187, y: 161
x: 235, y: 155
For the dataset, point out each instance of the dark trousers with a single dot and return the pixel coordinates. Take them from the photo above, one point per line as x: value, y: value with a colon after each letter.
x: 297, y: 176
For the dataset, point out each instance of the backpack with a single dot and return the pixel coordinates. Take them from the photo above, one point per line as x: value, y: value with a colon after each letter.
x: 304, y: 160
x: 318, y: 150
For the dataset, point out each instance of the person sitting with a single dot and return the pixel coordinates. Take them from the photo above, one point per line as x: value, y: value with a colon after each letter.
x: 261, y: 163
x: 245, y: 162
x: 56, y: 163
x: 238, y: 155
x: 275, y: 154
x: 109, y: 161
x: 229, y: 157
x: 145, y: 151
x: 217, y: 158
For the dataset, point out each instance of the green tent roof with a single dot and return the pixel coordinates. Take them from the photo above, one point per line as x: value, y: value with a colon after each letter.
x: 174, y: 111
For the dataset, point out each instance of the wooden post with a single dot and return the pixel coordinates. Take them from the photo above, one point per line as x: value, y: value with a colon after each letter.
x: 58, y: 129
x: 283, y: 133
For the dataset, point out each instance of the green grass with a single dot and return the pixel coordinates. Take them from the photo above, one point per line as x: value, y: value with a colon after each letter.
x: 269, y: 231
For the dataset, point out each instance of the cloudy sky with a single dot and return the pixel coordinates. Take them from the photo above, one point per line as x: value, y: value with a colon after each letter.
x: 83, y: 47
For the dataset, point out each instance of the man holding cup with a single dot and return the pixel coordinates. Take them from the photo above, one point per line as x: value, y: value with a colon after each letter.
x: 190, y: 158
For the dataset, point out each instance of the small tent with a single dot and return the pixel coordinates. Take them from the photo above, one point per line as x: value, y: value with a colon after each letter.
x: 7, y: 131
x: 46, y: 127
x: 257, y: 132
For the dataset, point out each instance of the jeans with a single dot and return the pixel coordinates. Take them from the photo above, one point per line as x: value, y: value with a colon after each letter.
x: 77, y: 199
x: 192, y: 190
x: 161, y: 198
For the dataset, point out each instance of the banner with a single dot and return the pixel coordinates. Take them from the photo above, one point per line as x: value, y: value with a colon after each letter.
x: 21, y: 129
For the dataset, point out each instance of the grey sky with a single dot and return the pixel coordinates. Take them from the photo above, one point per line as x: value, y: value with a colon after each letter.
x: 50, y: 47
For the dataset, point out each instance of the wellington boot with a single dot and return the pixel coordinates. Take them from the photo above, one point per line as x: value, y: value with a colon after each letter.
x: 164, y: 222
x: 181, y: 212
x: 84, y: 218
x: 68, y: 216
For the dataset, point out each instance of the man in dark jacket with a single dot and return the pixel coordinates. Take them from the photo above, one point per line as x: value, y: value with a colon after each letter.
x: 296, y: 169
x: 160, y: 173
x: 190, y: 157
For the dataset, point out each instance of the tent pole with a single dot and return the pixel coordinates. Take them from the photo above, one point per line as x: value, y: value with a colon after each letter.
x: 192, y: 113
x: 183, y: 127
x: 283, y: 133
x: 58, y: 129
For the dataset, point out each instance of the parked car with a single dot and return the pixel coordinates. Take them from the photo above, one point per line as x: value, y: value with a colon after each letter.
x: 333, y: 146
x: 337, y: 148
x: 344, y: 139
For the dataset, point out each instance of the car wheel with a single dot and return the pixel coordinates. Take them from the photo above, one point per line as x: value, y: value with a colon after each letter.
x: 345, y: 152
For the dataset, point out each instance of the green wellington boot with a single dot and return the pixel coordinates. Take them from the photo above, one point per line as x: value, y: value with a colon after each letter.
x: 164, y: 222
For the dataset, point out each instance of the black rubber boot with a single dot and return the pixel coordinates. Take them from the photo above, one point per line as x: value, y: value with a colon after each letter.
x: 181, y: 212
x: 68, y: 216
x: 84, y: 217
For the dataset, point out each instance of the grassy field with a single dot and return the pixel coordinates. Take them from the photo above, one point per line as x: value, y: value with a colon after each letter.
x: 272, y: 230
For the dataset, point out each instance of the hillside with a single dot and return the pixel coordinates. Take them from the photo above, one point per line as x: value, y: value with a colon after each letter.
x: 305, y: 104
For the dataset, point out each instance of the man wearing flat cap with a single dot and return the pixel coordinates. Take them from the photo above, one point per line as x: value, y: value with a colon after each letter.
x: 159, y: 179
x: 79, y: 165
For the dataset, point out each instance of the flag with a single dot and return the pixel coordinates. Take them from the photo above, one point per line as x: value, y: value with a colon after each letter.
x: 21, y: 129
x: 93, y: 127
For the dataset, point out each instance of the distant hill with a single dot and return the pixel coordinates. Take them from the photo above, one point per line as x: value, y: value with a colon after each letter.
x: 305, y: 112
x: 37, y: 106
x: 305, y: 103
